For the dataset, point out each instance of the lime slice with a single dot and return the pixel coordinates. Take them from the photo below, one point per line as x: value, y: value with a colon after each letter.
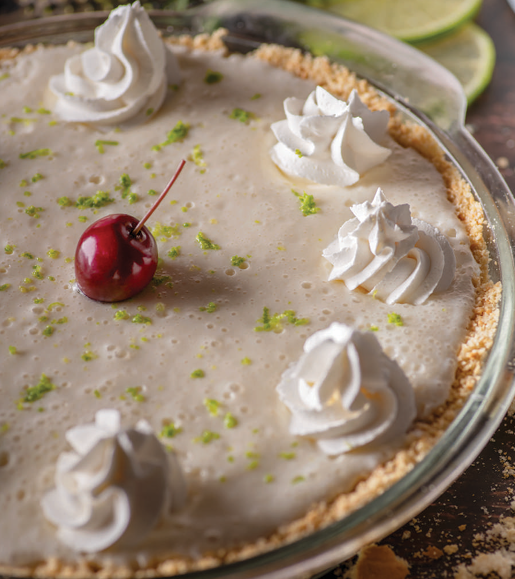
x: 469, y: 54
x: 409, y: 20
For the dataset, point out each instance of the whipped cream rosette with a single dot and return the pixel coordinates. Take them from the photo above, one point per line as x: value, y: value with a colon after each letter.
x: 329, y: 141
x: 385, y: 251
x: 124, y: 77
x: 115, y: 485
x: 345, y: 392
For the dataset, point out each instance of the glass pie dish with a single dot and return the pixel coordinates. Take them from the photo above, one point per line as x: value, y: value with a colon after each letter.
x: 425, y: 93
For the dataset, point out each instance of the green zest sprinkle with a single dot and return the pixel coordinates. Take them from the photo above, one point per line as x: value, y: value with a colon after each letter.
x: 396, y: 319
x: 258, y: 95
x: 207, y: 436
x: 139, y: 319
x: 152, y: 192
x: 230, y: 421
x: 165, y: 232
x: 237, y: 261
x: 287, y: 455
x: 170, y: 430
x: 36, y: 153
x: 55, y: 305
x: 37, y: 392
x: 242, y: 115
x: 13, y: 350
x: 99, y: 199
x: 2, y: 164
x: 4, y: 287
x: 82, y: 218
x: 38, y: 300
x: 20, y: 120
x: 97, y: 393
x: 210, y: 308
x: 124, y: 186
x: 205, y: 243
x: 64, y: 201
x: 268, y: 478
x: 100, y: 145
x: 307, y: 203
x: 37, y: 177
x: 246, y: 361
x: 136, y: 394
x: 33, y: 211
x: 198, y: 157
x: 4, y: 76
x: 197, y: 374
x: 53, y: 253
x: 88, y: 356
x: 147, y: 165
x: 212, y: 77
x: 24, y: 183
x: 37, y: 272
x: 178, y: 133
x: 212, y: 406
x: 43, y: 111
x: 174, y: 252
x: 4, y: 428
x: 374, y: 328
x: 149, y: 111
x: 27, y: 255
x: 273, y: 323
x: 9, y: 249
x: 299, y: 154
x: 158, y: 280
x: 298, y: 479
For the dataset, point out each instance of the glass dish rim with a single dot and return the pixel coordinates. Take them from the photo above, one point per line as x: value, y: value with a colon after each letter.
x: 482, y: 412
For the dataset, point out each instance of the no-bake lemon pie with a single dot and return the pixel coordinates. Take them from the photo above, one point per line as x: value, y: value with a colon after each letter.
x: 319, y: 311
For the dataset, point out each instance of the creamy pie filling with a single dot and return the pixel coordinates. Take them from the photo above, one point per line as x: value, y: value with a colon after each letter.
x: 192, y: 353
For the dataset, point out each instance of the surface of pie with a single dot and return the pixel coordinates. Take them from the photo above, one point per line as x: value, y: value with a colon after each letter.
x: 194, y: 354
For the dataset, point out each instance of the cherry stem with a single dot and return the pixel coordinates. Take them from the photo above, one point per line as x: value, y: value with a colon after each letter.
x: 141, y: 223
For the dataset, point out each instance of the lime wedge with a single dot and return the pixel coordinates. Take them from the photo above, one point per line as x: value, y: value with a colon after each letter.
x: 469, y: 54
x: 409, y: 20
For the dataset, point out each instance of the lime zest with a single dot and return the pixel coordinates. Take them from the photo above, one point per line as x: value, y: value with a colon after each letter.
x: 242, y: 115
x: 213, y: 76
x: 307, y: 203
x: 100, y: 144
x: 273, y: 323
x: 205, y: 243
x: 34, y: 393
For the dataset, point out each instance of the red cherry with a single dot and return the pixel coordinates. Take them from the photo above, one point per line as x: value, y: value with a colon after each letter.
x: 111, y: 263
x: 116, y: 256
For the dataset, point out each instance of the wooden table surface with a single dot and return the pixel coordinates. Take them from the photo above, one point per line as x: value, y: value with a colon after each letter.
x: 444, y: 537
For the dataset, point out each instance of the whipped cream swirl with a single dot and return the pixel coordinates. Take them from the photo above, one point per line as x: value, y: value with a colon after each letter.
x: 114, y: 486
x: 385, y: 251
x: 346, y: 393
x: 124, y: 77
x: 328, y: 140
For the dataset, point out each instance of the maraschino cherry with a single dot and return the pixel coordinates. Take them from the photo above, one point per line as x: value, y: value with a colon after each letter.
x: 116, y: 256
